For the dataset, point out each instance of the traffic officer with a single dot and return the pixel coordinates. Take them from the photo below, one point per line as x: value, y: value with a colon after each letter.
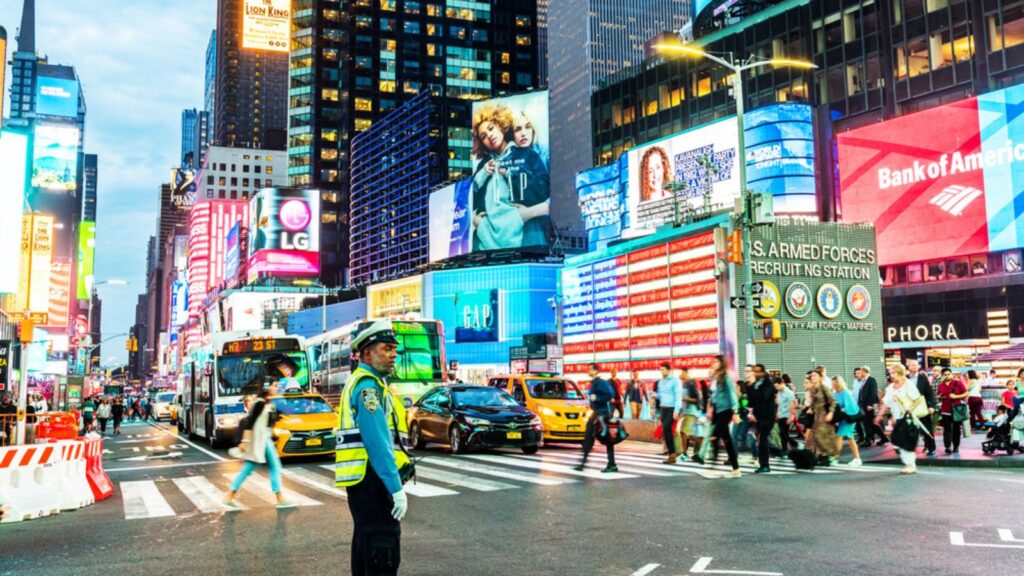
x: 371, y: 462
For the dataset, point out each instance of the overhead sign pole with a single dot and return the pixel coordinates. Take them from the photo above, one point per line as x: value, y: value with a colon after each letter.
x: 25, y: 333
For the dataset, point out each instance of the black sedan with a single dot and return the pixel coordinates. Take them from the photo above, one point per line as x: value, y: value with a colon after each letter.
x: 473, y: 417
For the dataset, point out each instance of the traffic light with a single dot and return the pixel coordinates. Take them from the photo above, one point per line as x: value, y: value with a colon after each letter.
x: 734, y: 247
x: 773, y: 331
x: 131, y: 344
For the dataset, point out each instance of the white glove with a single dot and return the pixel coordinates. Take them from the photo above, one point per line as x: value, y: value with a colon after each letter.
x: 401, y: 505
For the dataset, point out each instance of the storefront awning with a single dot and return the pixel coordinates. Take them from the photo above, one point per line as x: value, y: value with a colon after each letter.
x: 1015, y: 352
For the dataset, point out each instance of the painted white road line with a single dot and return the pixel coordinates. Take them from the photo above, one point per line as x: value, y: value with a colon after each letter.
x: 133, y: 468
x: 315, y: 481
x: 142, y: 499
x: 259, y: 486
x: 1007, y: 536
x: 497, y: 472
x: 957, y: 539
x: 458, y: 479
x: 559, y: 469
x: 700, y: 567
x: 201, y: 492
x: 415, y: 488
x: 645, y: 570
x: 190, y: 443
x: 630, y: 467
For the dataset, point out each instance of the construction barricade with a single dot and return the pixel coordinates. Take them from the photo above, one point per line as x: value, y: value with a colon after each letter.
x: 75, y: 491
x: 29, y: 482
x: 98, y: 480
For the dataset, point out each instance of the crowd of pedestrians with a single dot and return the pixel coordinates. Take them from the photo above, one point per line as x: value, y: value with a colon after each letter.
x: 101, y: 411
x: 770, y: 415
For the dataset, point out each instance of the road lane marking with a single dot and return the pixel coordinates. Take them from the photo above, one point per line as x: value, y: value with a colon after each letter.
x: 700, y: 567
x: 957, y: 539
x: 569, y: 459
x: 645, y: 570
x: 550, y: 467
x: 258, y: 485
x: 189, y: 442
x: 463, y: 480
x: 500, y: 472
x: 415, y: 488
x: 1007, y: 536
x: 142, y: 499
x: 201, y: 492
x: 135, y: 468
x: 315, y: 481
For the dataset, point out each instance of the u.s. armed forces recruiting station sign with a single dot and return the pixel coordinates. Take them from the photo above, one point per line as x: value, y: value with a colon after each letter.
x: 821, y: 281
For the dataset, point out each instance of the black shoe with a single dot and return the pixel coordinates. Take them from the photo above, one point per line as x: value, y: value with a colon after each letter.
x: 956, y: 450
x: 698, y: 460
x: 580, y: 467
x: 881, y: 442
x: 762, y: 470
x: 864, y: 445
x: 931, y: 453
x: 610, y: 468
x: 948, y: 451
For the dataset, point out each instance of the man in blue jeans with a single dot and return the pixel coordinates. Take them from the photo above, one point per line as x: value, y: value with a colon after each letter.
x: 670, y: 407
x: 601, y: 395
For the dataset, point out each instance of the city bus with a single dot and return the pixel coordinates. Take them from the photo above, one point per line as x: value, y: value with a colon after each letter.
x: 217, y: 377
x: 420, y: 364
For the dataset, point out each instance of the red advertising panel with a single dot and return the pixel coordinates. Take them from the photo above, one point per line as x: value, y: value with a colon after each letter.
x: 919, y: 180
x: 60, y: 293
x: 209, y: 225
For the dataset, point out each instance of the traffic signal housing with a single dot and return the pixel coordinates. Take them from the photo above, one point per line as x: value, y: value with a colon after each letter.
x: 773, y: 331
x: 734, y: 247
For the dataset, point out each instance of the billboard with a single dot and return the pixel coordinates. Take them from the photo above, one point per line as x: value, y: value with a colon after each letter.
x: 59, y: 311
x: 511, y: 184
x: 943, y: 182
x: 698, y: 162
x: 209, y: 225
x: 395, y: 299
x: 55, y: 158
x: 266, y: 25
x: 450, y: 221
x: 477, y: 315
x: 37, y: 271
x: 179, y: 303
x: 86, y: 259
x: 181, y: 252
x: 779, y: 147
x: 56, y: 97
x: 183, y: 188
x: 284, y: 233
x: 232, y: 254
x: 13, y: 158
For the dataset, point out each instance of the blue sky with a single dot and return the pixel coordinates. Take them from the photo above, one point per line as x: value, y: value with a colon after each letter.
x: 140, y: 63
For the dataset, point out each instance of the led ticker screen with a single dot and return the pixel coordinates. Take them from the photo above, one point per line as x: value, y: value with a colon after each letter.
x: 638, y: 309
x: 60, y: 293
x: 266, y: 25
x: 939, y: 183
x: 55, y: 158
x: 56, y: 97
x: 262, y: 345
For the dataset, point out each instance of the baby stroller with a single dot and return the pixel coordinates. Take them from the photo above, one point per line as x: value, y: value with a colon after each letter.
x: 1004, y: 434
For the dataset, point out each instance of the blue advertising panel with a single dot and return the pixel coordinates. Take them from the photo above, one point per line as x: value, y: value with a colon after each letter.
x: 578, y: 300
x: 477, y: 316
x: 232, y: 254
x: 55, y: 158
x: 450, y: 221
x: 56, y: 97
x: 179, y: 303
x: 780, y: 156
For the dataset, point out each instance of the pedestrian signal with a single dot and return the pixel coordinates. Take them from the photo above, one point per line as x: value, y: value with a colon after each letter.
x: 773, y: 331
x: 734, y: 247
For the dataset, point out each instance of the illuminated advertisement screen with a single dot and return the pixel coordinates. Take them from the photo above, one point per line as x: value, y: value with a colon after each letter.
x: 600, y: 196
x: 284, y: 233
x: 477, y: 315
x: 209, y: 225
x: 40, y: 264
x: 13, y: 156
x: 450, y: 221
x: 635, y: 310
x: 60, y: 293
x: 939, y: 183
x: 511, y: 184
x: 55, y: 158
x: 232, y: 253
x: 86, y: 257
x: 181, y: 251
x: 779, y: 145
x: 183, y: 188
x: 56, y: 97
x: 179, y: 303
x: 266, y: 25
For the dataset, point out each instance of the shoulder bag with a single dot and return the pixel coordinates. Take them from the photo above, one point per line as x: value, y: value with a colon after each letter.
x: 960, y: 413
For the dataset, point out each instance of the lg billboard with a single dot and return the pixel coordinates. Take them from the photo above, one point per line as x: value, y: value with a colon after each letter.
x: 939, y: 183
x: 284, y: 238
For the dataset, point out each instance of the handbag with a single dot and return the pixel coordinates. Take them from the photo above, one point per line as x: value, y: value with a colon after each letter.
x: 243, y: 446
x: 960, y: 413
x: 659, y: 432
x: 905, y: 434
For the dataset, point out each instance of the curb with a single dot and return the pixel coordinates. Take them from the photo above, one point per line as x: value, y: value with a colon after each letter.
x: 935, y: 462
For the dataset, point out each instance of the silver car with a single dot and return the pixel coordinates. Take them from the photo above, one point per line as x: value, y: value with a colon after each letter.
x: 161, y: 405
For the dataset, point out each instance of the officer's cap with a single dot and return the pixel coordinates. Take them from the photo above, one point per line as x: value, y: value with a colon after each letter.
x: 378, y: 331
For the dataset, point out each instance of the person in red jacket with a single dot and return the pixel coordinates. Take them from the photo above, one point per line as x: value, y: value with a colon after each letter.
x: 952, y: 392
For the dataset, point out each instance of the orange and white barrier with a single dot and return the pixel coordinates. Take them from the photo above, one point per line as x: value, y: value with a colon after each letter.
x: 98, y: 480
x: 74, y: 488
x: 29, y: 482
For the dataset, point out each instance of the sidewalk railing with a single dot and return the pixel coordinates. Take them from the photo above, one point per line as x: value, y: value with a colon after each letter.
x: 33, y: 422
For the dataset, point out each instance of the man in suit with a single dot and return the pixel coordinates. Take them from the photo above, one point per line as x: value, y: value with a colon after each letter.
x: 924, y: 386
x: 761, y: 399
x: 867, y: 399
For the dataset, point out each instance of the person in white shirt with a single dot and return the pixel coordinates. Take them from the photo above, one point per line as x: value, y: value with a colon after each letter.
x: 900, y: 398
x: 974, y: 399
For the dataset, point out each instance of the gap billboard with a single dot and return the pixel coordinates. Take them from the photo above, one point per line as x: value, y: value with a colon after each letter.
x: 941, y: 182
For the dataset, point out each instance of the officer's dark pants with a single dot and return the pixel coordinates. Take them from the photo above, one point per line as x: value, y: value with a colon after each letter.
x: 376, y: 540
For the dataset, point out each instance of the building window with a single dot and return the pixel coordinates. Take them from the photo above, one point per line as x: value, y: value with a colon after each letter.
x: 245, y: 167
x: 364, y: 104
x: 411, y: 27
x: 330, y: 94
x: 387, y: 86
x: 1010, y: 32
x: 328, y: 154
x: 523, y: 40
x: 522, y: 21
x: 363, y: 124
x: 506, y: 77
x: 935, y: 271
x: 245, y: 182
x: 269, y: 170
x: 222, y: 181
x: 913, y: 273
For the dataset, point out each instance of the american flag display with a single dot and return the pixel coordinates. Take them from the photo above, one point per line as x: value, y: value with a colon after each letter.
x: 60, y: 293
x: 637, y: 310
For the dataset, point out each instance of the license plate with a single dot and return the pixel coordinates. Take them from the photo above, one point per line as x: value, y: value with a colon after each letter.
x: 571, y: 427
x: 314, y: 442
x: 514, y: 435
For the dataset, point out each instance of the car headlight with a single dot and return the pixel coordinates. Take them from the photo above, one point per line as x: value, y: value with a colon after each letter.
x: 477, y: 422
x: 588, y: 414
x: 547, y: 411
x: 281, y: 432
x: 535, y: 422
x: 228, y: 421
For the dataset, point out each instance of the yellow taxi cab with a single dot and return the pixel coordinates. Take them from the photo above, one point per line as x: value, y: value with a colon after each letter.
x: 306, y: 424
x: 562, y: 406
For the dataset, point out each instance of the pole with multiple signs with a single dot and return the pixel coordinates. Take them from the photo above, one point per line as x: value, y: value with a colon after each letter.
x: 27, y: 328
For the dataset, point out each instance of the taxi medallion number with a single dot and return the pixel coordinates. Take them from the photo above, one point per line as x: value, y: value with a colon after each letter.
x: 514, y: 435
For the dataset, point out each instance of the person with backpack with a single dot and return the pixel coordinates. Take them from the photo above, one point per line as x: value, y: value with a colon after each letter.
x: 601, y: 395
x: 88, y: 414
x: 821, y: 405
x: 906, y: 403
x: 850, y: 415
x: 692, y: 403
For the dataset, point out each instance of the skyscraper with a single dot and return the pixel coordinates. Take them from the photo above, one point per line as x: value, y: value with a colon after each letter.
x: 89, y: 187
x: 588, y: 40
x: 250, y: 105
x: 210, y: 83
x: 189, y: 121
x: 458, y: 52
x: 23, y: 72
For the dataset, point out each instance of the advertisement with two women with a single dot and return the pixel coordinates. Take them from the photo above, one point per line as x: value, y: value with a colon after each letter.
x: 507, y: 203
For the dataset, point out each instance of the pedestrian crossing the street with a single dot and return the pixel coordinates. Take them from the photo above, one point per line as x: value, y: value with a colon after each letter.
x: 438, y: 475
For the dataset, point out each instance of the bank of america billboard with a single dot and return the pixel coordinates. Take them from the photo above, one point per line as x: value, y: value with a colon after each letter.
x: 284, y: 233
x: 939, y: 183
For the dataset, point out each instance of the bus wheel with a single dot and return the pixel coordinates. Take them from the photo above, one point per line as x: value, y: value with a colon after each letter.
x: 210, y: 438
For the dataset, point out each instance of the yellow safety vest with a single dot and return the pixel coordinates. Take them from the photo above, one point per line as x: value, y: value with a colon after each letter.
x: 350, y: 454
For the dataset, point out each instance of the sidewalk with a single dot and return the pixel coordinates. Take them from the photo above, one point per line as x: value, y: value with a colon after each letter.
x: 970, y: 455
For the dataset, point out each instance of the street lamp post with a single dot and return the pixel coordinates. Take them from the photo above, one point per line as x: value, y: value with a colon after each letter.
x: 323, y: 300
x: 738, y: 67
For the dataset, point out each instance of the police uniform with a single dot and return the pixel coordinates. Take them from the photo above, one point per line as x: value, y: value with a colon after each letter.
x: 368, y: 458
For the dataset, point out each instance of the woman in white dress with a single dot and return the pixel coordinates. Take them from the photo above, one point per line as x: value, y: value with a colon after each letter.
x: 904, y: 401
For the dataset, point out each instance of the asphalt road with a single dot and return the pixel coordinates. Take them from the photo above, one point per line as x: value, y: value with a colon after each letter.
x: 504, y: 513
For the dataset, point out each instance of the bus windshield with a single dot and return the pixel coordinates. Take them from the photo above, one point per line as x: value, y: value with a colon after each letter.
x: 419, y: 357
x: 243, y: 374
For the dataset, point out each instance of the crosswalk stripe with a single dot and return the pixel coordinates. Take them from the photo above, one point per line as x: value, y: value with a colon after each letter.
x: 201, y: 492
x: 142, y: 499
x: 630, y: 467
x: 415, y: 488
x: 463, y: 480
x: 315, y: 481
x: 497, y: 472
x: 548, y: 467
x: 259, y: 486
